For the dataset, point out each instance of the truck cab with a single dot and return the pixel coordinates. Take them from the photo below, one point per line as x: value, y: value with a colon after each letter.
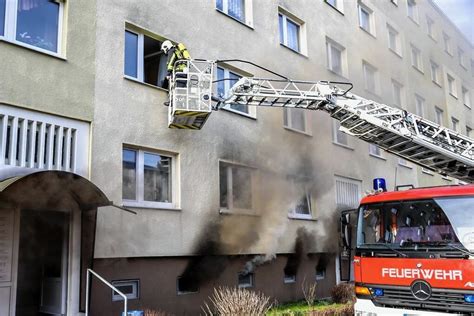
x: 415, y: 252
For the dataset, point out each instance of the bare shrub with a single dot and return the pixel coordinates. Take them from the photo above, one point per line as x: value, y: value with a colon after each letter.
x: 346, y: 310
x: 236, y: 301
x: 151, y: 312
x: 342, y: 293
x: 309, y: 292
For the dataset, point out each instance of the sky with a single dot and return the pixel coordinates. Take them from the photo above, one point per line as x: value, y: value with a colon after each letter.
x: 461, y: 12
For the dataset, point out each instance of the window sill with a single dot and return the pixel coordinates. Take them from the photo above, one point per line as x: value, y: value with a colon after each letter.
x: 225, y: 211
x: 426, y: 171
x: 368, y: 32
x: 297, y: 131
x: 447, y: 178
x: 396, y: 53
x: 144, y: 83
x: 450, y: 54
x: 454, y: 96
x: 418, y: 69
x: 33, y: 48
x: 342, y: 76
x: 294, y: 51
x: 437, y: 83
x: 343, y: 145
x: 138, y: 205
x: 432, y: 37
x: 468, y: 106
x: 378, y: 157
x: 414, y: 21
x: 335, y: 8
x: 247, y: 24
x: 289, y: 282
x: 247, y: 115
x: 301, y: 217
x: 405, y: 166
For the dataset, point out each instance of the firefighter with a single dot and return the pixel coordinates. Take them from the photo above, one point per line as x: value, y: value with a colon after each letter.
x: 175, y: 53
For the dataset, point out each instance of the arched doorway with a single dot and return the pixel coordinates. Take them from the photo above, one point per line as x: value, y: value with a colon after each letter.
x: 47, y: 235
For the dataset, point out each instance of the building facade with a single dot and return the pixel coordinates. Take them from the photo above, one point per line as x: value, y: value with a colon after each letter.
x: 251, y: 200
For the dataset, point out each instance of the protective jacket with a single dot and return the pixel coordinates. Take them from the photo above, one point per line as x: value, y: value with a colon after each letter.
x: 177, y: 52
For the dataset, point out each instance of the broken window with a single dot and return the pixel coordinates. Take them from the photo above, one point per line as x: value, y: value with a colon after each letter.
x: 144, y: 60
x: 184, y: 286
x: 147, y: 179
x: 235, y: 187
x: 302, y: 207
x: 245, y: 280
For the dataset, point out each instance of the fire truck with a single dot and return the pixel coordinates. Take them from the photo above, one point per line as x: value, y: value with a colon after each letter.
x: 414, y: 252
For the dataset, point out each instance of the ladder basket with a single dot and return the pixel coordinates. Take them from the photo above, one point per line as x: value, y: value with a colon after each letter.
x: 190, y: 94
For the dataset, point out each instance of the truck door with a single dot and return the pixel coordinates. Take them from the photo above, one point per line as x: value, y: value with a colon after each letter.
x: 346, y: 249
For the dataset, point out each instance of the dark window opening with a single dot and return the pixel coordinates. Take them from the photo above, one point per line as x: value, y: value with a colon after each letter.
x: 187, y: 286
x: 246, y: 280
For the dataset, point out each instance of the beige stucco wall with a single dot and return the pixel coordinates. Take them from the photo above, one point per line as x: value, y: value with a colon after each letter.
x: 131, y: 113
x: 58, y: 85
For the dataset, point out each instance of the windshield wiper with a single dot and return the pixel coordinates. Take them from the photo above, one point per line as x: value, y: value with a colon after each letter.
x: 441, y: 243
x: 394, y: 250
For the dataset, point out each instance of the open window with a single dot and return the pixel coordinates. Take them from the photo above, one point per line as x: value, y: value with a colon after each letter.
x: 144, y: 60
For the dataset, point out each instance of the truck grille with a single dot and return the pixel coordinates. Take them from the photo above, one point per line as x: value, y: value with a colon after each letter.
x: 441, y: 300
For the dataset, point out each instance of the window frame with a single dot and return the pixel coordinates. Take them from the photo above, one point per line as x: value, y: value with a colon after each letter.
x: 10, y: 27
x: 248, y: 12
x: 468, y: 131
x: 347, y: 181
x: 397, y: 84
x: 246, y: 285
x: 416, y: 58
x: 466, y: 97
x: 230, y: 209
x: 435, y: 75
x: 289, y: 279
x: 430, y: 28
x: 365, y: 67
x: 419, y: 105
x: 339, y: 5
x: 461, y: 56
x: 330, y: 43
x: 376, y: 151
x: 135, y: 295
x: 252, y: 109
x: 302, y: 45
x: 397, y: 49
x: 452, y: 89
x: 307, y: 121
x: 335, y: 132
x: 178, y: 292
x: 371, y: 15
x: 447, y: 44
x: 292, y: 214
x: 140, y: 202
x: 454, y: 124
x: 320, y: 276
x: 415, y: 17
x: 439, y: 116
x: 404, y: 163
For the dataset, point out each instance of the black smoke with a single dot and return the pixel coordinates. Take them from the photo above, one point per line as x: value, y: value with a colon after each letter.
x: 304, y: 242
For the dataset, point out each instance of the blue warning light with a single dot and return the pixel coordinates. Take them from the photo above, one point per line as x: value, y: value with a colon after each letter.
x: 378, y: 292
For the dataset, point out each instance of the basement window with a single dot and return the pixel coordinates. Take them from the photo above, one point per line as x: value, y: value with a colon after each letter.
x: 320, y: 273
x: 289, y: 278
x: 130, y: 288
x: 236, y: 183
x: 144, y: 60
x: 186, y: 287
x: 245, y: 280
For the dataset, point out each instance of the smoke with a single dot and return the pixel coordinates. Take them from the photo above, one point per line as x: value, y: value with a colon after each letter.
x: 305, y: 241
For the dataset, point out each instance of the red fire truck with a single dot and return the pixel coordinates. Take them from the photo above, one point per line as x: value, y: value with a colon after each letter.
x: 415, y: 252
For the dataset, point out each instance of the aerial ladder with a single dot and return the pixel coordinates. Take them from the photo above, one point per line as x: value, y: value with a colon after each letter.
x: 397, y: 131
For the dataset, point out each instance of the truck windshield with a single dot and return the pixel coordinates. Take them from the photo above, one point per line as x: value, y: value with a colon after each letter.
x: 437, y: 222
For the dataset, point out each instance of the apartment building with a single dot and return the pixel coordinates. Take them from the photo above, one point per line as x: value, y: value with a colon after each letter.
x: 252, y: 200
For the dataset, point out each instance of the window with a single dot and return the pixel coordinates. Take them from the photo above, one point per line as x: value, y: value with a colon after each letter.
x: 148, y: 179
x: 461, y: 56
x: 289, y: 278
x: 434, y: 72
x: 412, y: 10
x: 374, y: 150
x: 366, y: 19
x: 447, y: 44
x: 241, y: 10
x: 404, y: 163
x: 302, y: 208
x: 336, y: 4
x: 452, y: 86
x: 186, y: 286
x: 35, y: 24
x: 430, y: 25
x: 296, y: 120
x: 465, y: 97
x: 143, y: 58
x: 438, y: 116
x: 339, y: 137
x: 419, y: 105
x: 416, y: 58
x: 454, y: 124
x: 336, y: 58
x: 468, y: 131
x: 130, y: 288
x: 393, y: 40
x: 236, y: 183
x: 291, y: 32
x: 245, y: 280
x: 320, y: 273
x: 348, y: 192
x: 370, y: 74
x: 397, y: 93
x: 227, y: 79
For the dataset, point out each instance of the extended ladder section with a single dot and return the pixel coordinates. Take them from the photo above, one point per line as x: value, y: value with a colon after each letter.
x: 397, y: 131
x: 404, y: 134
